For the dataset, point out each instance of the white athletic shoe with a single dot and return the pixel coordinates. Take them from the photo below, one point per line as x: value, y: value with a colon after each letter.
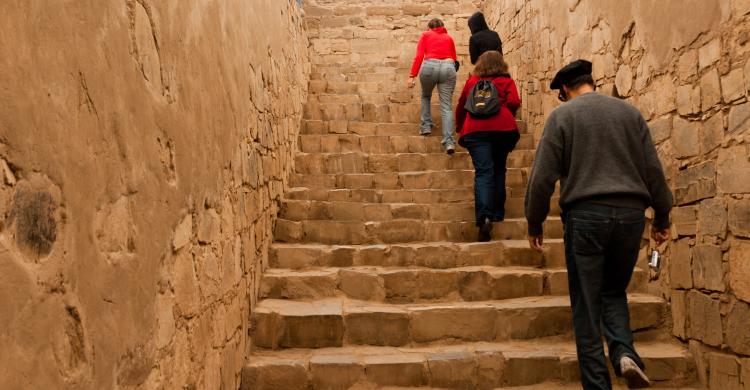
x: 633, y: 374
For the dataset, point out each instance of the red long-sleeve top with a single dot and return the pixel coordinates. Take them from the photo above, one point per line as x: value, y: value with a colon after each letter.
x: 435, y: 44
x: 505, y: 120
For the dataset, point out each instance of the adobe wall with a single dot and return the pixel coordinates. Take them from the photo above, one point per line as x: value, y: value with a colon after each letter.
x: 144, y: 146
x: 684, y: 64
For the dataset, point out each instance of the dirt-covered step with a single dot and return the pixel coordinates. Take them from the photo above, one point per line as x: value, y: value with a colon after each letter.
x: 300, y: 210
x: 515, y: 178
x: 400, y: 231
x: 438, y: 255
x: 381, y: 124
x: 343, y: 143
x: 334, y: 322
x: 418, y: 284
x: 358, y: 162
x: 540, y: 365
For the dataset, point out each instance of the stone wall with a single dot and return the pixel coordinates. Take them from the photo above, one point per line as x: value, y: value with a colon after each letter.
x: 144, y: 146
x: 684, y: 64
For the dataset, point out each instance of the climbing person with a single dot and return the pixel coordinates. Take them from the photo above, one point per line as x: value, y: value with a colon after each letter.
x: 600, y: 149
x: 482, y: 38
x: 486, y: 125
x: 436, y: 63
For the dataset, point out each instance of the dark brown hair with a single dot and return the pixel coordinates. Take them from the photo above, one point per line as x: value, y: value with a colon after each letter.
x: 435, y: 23
x: 491, y: 64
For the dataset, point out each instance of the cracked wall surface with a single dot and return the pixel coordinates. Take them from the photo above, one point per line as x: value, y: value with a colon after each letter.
x: 144, y: 146
x: 684, y: 64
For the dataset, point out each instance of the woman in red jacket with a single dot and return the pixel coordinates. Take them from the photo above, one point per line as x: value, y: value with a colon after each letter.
x: 489, y: 139
x: 438, y: 52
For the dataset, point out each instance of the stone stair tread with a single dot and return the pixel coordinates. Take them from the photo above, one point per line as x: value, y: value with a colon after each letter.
x: 341, y: 306
x: 539, y: 347
x: 508, y: 243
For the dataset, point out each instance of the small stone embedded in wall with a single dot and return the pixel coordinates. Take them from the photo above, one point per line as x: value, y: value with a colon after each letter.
x: 739, y: 217
x: 733, y: 170
x: 739, y: 269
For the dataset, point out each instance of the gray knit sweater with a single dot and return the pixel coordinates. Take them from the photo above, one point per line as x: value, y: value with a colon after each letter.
x: 600, y: 149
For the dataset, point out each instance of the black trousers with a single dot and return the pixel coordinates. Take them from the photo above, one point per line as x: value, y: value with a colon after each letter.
x: 489, y: 153
x: 601, y: 250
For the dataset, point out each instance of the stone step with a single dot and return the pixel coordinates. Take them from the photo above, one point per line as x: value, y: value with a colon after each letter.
x: 278, y: 324
x: 416, y: 284
x: 540, y: 365
x: 515, y: 178
x: 400, y: 231
x: 343, y: 143
x: 438, y: 255
x: 357, y: 162
x: 301, y: 210
x: 421, y: 196
x: 404, y: 124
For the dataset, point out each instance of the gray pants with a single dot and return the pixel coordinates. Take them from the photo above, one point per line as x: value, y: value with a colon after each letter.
x: 440, y: 73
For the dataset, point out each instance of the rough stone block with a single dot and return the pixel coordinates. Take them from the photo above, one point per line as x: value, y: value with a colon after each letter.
x: 739, y: 116
x: 678, y: 304
x: 397, y: 370
x: 733, y: 85
x: 712, y: 133
x: 685, y: 220
x: 284, y: 374
x: 695, y: 183
x: 452, y: 370
x: 733, y: 170
x: 708, y: 270
x: 529, y: 368
x: 739, y: 269
x: 661, y: 129
x: 377, y: 326
x: 335, y: 372
x: 739, y: 217
x: 712, y: 218
x: 735, y: 328
x: 680, y: 265
x: 710, y: 90
x: 704, y: 319
x: 709, y: 53
x: 470, y: 324
x: 688, y: 99
x: 685, y: 138
x: 724, y: 372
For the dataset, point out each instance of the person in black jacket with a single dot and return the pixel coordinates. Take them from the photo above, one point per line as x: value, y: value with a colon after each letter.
x: 482, y: 38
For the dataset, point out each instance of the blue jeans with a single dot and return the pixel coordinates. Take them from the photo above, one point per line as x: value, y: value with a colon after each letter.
x: 440, y: 73
x: 601, y: 249
x: 489, y: 153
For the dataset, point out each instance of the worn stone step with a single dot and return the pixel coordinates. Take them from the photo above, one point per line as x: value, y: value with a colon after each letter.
x: 336, y: 322
x: 515, y: 178
x: 405, y: 124
x: 343, y: 143
x: 381, y: 196
x: 439, y: 255
x: 540, y: 365
x: 417, y: 284
x: 400, y: 231
x: 300, y: 210
x: 358, y: 162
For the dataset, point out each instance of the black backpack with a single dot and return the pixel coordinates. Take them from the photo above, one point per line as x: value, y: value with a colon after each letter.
x: 483, y: 101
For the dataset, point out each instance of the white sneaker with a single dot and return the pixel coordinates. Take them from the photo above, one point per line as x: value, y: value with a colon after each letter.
x: 633, y: 374
x: 450, y: 149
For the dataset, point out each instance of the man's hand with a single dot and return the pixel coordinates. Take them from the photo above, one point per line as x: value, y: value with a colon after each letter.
x: 536, y: 242
x: 660, y: 235
x: 410, y: 83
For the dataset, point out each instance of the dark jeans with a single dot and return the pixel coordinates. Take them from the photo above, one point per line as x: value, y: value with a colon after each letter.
x: 601, y: 249
x: 489, y: 152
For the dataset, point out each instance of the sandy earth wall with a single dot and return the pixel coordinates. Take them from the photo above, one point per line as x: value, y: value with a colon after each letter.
x: 684, y: 64
x: 144, y: 146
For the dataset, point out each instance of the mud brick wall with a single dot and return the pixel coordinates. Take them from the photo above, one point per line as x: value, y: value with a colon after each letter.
x: 144, y: 146
x: 684, y: 64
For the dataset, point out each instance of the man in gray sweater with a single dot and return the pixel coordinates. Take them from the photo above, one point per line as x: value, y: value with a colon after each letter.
x: 600, y: 149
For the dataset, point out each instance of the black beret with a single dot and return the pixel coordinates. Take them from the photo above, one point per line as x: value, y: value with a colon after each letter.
x: 570, y: 72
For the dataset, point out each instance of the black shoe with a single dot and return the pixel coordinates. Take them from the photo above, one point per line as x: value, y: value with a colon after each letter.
x: 484, y: 231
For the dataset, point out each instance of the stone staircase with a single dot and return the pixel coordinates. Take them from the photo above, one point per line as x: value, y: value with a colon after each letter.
x: 375, y: 279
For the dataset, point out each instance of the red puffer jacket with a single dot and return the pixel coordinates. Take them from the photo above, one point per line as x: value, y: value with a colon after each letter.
x: 505, y: 120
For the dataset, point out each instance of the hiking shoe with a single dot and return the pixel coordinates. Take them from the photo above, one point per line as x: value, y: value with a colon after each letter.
x: 484, y: 231
x: 633, y: 374
x: 425, y: 133
x: 450, y: 149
